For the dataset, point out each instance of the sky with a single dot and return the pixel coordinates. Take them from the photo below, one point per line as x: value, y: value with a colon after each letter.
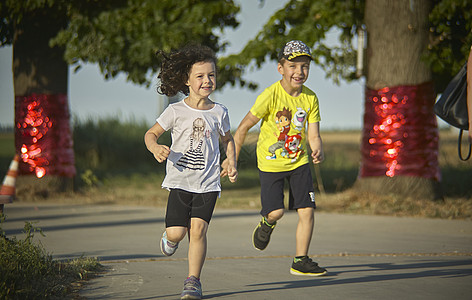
x: 91, y: 96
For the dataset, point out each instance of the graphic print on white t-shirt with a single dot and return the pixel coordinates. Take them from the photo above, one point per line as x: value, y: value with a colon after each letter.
x: 193, y: 164
x: 193, y: 158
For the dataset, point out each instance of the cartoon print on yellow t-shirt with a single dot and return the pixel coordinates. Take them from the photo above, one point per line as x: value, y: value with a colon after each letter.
x: 282, y: 121
x: 299, y: 118
x: 292, y: 147
x: 290, y: 144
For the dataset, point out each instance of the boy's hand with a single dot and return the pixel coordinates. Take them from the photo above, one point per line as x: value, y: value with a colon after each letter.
x: 317, y: 156
x: 161, y: 152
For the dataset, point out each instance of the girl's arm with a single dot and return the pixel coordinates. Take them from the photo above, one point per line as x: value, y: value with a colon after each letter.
x: 315, y: 142
x: 161, y: 152
x: 230, y: 167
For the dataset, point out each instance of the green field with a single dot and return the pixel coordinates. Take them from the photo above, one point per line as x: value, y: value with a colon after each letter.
x: 113, y: 166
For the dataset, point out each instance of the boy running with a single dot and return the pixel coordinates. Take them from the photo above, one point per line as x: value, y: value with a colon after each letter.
x: 290, y: 117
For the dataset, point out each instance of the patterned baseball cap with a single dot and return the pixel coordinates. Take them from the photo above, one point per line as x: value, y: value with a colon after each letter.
x: 295, y: 49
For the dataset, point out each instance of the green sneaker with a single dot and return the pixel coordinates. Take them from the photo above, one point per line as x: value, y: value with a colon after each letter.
x: 261, y: 235
x: 306, y: 267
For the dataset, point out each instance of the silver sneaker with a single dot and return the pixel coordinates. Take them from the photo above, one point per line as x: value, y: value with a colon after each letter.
x: 192, y: 289
x: 168, y: 248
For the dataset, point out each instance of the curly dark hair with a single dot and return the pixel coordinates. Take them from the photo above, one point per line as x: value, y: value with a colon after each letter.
x: 176, y: 65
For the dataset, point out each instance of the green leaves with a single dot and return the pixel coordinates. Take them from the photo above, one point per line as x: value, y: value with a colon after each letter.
x: 125, y: 39
x: 309, y: 21
x: 123, y: 35
x: 450, y: 39
x: 315, y: 21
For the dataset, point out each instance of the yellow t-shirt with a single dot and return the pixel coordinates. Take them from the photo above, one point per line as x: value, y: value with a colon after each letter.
x: 282, y: 141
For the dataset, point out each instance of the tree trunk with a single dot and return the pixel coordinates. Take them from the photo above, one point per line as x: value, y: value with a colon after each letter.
x: 400, y: 137
x: 42, y: 120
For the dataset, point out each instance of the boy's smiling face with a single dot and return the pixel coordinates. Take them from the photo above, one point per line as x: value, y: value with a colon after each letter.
x: 294, y: 74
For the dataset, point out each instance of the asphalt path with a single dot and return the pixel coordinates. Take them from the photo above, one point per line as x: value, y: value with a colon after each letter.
x: 367, y: 257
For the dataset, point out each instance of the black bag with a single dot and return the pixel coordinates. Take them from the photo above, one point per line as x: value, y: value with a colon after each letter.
x: 452, y: 105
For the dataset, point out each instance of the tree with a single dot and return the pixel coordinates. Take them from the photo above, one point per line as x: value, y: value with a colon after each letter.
x: 413, y: 49
x: 119, y: 35
x: 400, y: 137
x: 122, y: 36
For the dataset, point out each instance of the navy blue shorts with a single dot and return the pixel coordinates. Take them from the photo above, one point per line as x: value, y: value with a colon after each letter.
x: 183, y: 205
x: 301, y: 192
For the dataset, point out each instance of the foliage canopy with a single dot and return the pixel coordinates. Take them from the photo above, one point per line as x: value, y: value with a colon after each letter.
x: 123, y: 35
x: 312, y: 21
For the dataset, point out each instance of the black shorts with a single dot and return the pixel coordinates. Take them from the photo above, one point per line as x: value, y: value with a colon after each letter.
x: 183, y: 205
x: 301, y: 192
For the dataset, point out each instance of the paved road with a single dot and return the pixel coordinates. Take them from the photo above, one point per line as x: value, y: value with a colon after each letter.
x: 368, y: 257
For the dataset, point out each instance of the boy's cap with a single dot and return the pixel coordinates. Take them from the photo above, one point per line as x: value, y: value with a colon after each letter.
x: 295, y: 49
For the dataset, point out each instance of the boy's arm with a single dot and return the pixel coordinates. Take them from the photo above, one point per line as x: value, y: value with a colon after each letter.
x: 228, y: 145
x: 240, y: 135
x: 161, y: 152
x: 315, y: 142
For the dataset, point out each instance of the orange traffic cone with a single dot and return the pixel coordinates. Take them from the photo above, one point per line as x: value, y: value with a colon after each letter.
x: 7, y: 191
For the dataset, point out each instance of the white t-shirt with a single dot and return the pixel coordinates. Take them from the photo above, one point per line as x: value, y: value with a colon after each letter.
x: 193, y: 164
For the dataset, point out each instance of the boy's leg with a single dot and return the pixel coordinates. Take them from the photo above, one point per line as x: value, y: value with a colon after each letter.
x: 262, y: 232
x: 272, y: 201
x: 304, y: 230
x: 302, y: 264
x: 274, y: 216
x: 303, y: 200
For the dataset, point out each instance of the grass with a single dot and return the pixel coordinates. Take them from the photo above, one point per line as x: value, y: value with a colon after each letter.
x: 27, y: 271
x: 113, y: 166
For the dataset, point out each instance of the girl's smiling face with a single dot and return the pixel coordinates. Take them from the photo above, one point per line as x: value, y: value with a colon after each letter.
x: 202, y: 79
x: 294, y: 73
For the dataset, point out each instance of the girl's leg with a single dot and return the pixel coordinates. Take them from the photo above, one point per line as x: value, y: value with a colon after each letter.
x: 176, y: 233
x: 197, y: 246
x: 306, y: 221
x: 177, y: 215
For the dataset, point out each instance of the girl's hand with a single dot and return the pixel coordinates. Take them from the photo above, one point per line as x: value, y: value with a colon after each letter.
x: 232, y: 174
x: 224, y: 168
x: 230, y: 171
x: 161, y: 152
